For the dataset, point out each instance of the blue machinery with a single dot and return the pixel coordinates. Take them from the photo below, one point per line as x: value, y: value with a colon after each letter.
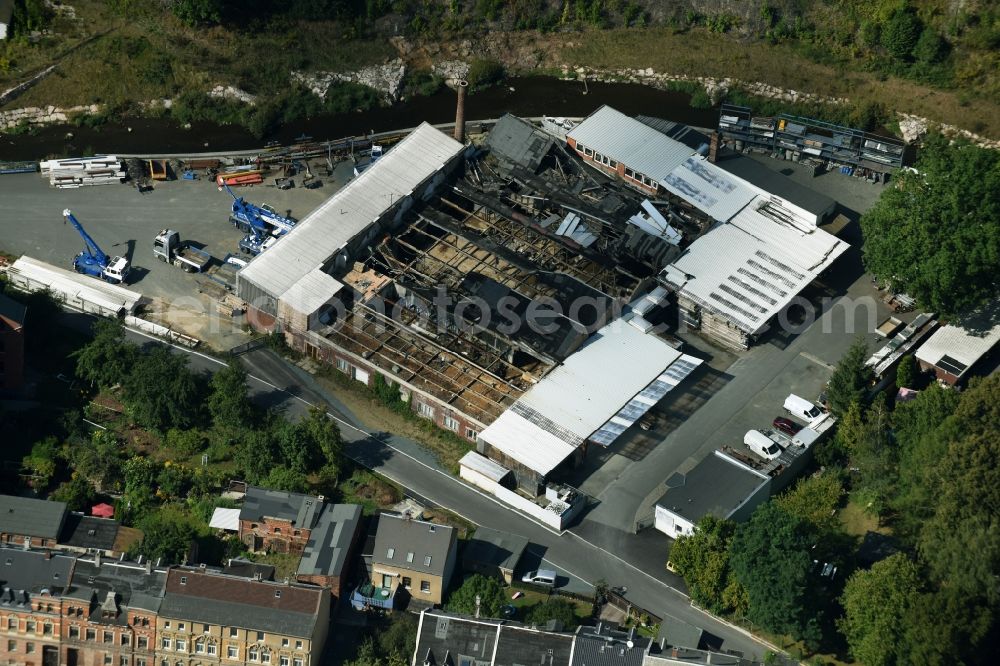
x: 260, y: 223
x: 93, y: 261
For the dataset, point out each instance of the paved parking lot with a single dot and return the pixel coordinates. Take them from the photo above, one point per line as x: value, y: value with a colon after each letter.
x: 124, y: 222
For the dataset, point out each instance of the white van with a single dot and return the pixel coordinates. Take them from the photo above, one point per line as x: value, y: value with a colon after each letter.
x: 762, y: 445
x: 801, y: 408
x: 540, y: 577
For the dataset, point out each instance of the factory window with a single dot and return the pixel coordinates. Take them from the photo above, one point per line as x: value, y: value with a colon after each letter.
x: 74, y: 632
x: 343, y: 366
x: 425, y: 586
x: 425, y: 410
x: 629, y: 173
x: 588, y: 152
x: 451, y: 424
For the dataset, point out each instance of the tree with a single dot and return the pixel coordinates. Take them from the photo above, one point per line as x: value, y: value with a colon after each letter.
x: 41, y: 462
x: 282, y: 478
x: 255, y: 456
x: 166, y: 533
x: 936, y: 234
x: 160, y: 390
x: 849, y: 382
x: 228, y: 402
x: 906, y: 372
x: 815, y: 500
x: 484, y: 72
x: 770, y: 557
x: 99, y: 460
x: 930, y: 48
x: 875, y: 455
x: 900, y: 34
x: 322, y: 430
x: 78, y: 493
x: 875, y: 605
x: 553, y: 608
x: 487, y: 589
x: 140, y: 475
x: 198, y: 12
x: 107, y: 359
x: 702, y: 559
x: 184, y: 443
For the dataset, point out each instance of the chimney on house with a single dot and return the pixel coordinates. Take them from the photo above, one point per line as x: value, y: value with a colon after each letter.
x: 713, y: 147
x: 463, y: 86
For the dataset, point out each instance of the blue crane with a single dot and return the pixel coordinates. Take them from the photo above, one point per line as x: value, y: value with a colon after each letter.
x: 261, y: 220
x: 93, y: 260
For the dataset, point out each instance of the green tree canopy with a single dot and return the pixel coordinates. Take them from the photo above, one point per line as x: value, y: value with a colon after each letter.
x: 875, y: 604
x: 770, y: 557
x: 161, y: 392
x: 99, y: 459
x: 815, y: 500
x: 900, y: 34
x: 42, y: 462
x: 702, y: 559
x: 107, y: 359
x: 489, y: 591
x: 936, y: 234
x: 907, y: 372
x: 166, y: 533
x: 554, y: 608
x: 228, y: 402
x: 289, y: 480
x: 849, y: 382
x: 78, y: 493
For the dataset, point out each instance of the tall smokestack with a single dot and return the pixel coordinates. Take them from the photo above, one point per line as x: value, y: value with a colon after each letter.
x: 460, y: 111
x: 713, y: 147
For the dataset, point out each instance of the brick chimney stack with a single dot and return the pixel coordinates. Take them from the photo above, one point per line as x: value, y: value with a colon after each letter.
x: 463, y: 85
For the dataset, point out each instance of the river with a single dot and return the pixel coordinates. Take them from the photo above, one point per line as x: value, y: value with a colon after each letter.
x: 527, y: 96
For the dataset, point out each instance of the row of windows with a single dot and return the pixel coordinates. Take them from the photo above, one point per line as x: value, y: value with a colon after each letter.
x: 597, y: 157
x: 425, y: 585
x: 453, y: 424
x: 252, y: 656
x: 107, y: 636
x: 30, y: 626
x: 391, y: 552
x: 639, y: 178
x: 201, y: 646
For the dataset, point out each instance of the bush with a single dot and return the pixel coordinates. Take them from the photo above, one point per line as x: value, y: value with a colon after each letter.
x: 184, y: 443
x: 484, y: 72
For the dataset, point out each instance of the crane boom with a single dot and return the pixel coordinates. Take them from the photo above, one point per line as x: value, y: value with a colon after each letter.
x: 93, y: 249
x: 257, y: 218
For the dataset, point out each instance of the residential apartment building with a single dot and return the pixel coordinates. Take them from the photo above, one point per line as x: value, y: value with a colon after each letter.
x: 211, y: 618
x: 31, y: 583
x: 414, y: 555
x: 25, y: 521
x: 109, y: 613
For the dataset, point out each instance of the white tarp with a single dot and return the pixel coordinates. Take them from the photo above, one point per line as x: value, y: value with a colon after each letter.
x: 225, y: 519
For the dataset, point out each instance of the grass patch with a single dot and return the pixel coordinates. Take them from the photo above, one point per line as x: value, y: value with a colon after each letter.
x: 369, y: 490
x: 856, y: 521
x: 285, y: 564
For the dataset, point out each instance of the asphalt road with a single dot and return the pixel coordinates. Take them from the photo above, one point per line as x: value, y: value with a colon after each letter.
x: 275, y: 383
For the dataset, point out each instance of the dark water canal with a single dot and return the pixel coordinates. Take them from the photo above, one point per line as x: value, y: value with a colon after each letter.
x: 528, y: 96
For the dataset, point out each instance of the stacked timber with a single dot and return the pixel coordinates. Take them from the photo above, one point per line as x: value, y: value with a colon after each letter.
x: 83, y: 171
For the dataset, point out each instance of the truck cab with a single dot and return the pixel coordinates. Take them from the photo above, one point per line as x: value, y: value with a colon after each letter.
x: 117, y: 270
x: 165, y: 243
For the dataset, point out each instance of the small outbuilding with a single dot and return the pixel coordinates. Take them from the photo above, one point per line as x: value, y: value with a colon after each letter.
x: 494, y: 553
x: 953, y: 350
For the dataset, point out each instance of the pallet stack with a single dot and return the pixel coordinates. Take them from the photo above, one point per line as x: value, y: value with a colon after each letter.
x: 83, y: 171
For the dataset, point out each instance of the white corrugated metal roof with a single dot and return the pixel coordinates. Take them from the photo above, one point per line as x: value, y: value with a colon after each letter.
x: 488, y: 468
x: 225, y: 519
x: 313, y: 290
x: 351, y: 210
x: 634, y: 144
x: 575, y: 399
x: 714, y: 191
x: 750, y: 269
x: 958, y: 344
x: 76, y: 286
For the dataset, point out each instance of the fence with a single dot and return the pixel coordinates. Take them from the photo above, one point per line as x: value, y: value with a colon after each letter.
x: 162, y: 332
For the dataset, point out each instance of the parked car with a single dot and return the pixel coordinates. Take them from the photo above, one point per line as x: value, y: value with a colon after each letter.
x: 787, y: 426
x: 540, y: 577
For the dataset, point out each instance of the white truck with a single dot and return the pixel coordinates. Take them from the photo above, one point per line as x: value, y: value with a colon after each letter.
x: 167, y: 247
x: 801, y: 408
x: 762, y: 445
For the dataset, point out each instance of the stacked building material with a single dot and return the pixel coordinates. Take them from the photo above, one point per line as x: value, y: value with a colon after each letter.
x: 83, y: 171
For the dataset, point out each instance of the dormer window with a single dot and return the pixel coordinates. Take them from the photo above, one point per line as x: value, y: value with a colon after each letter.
x: 389, y: 553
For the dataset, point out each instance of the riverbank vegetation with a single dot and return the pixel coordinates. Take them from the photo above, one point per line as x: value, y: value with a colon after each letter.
x: 921, y: 56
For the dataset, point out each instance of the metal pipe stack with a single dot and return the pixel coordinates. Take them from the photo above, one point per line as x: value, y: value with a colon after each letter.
x: 83, y: 171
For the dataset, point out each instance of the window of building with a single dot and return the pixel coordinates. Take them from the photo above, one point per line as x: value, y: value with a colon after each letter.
x: 629, y: 172
x: 232, y: 652
x: 296, y: 662
x: 143, y: 643
x: 613, y: 164
x: 47, y: 629
x: 588, y: 152
x: 343, y: 365
x: 407, y: 582
x: 277, y: 530
x: 12, y: 623
x: 389, y: 553
x: 166, y: 625
x: 233, y: 632
x: 29, y: 647
x: 277, y: 594
x: 298, y: 645
x: 252, y: 654
x: 108, y: 637
x: 427, y: 560
x: 451, y: 424
x: 74, y: 632
x: 140, y: 662
x: 298, y: 533
x: 265, y: 657
x: 284, y: 642
x: 580, y: 147
x: 124, y: 639
x: 91, y: 634
x: 166, y: 643
x: 260, y: 635
x: 180, y: 626
x: 284, y: 660
x: 11, y: 646
x: 425, y: 410
x: 199, y: 646
x: 29, y: 626
x: 108, y: 659
x: 212, y: 649
x: 425, y: 586
x: 182, y: 645
x: 204, y: 628
x: 164, y: 662
x: 123, y: 661
x: 471, y: 434
x: 184, y: 580
x: 409, y: 556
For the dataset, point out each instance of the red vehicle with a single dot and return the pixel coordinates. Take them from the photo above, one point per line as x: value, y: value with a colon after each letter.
x: 786, y: 426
